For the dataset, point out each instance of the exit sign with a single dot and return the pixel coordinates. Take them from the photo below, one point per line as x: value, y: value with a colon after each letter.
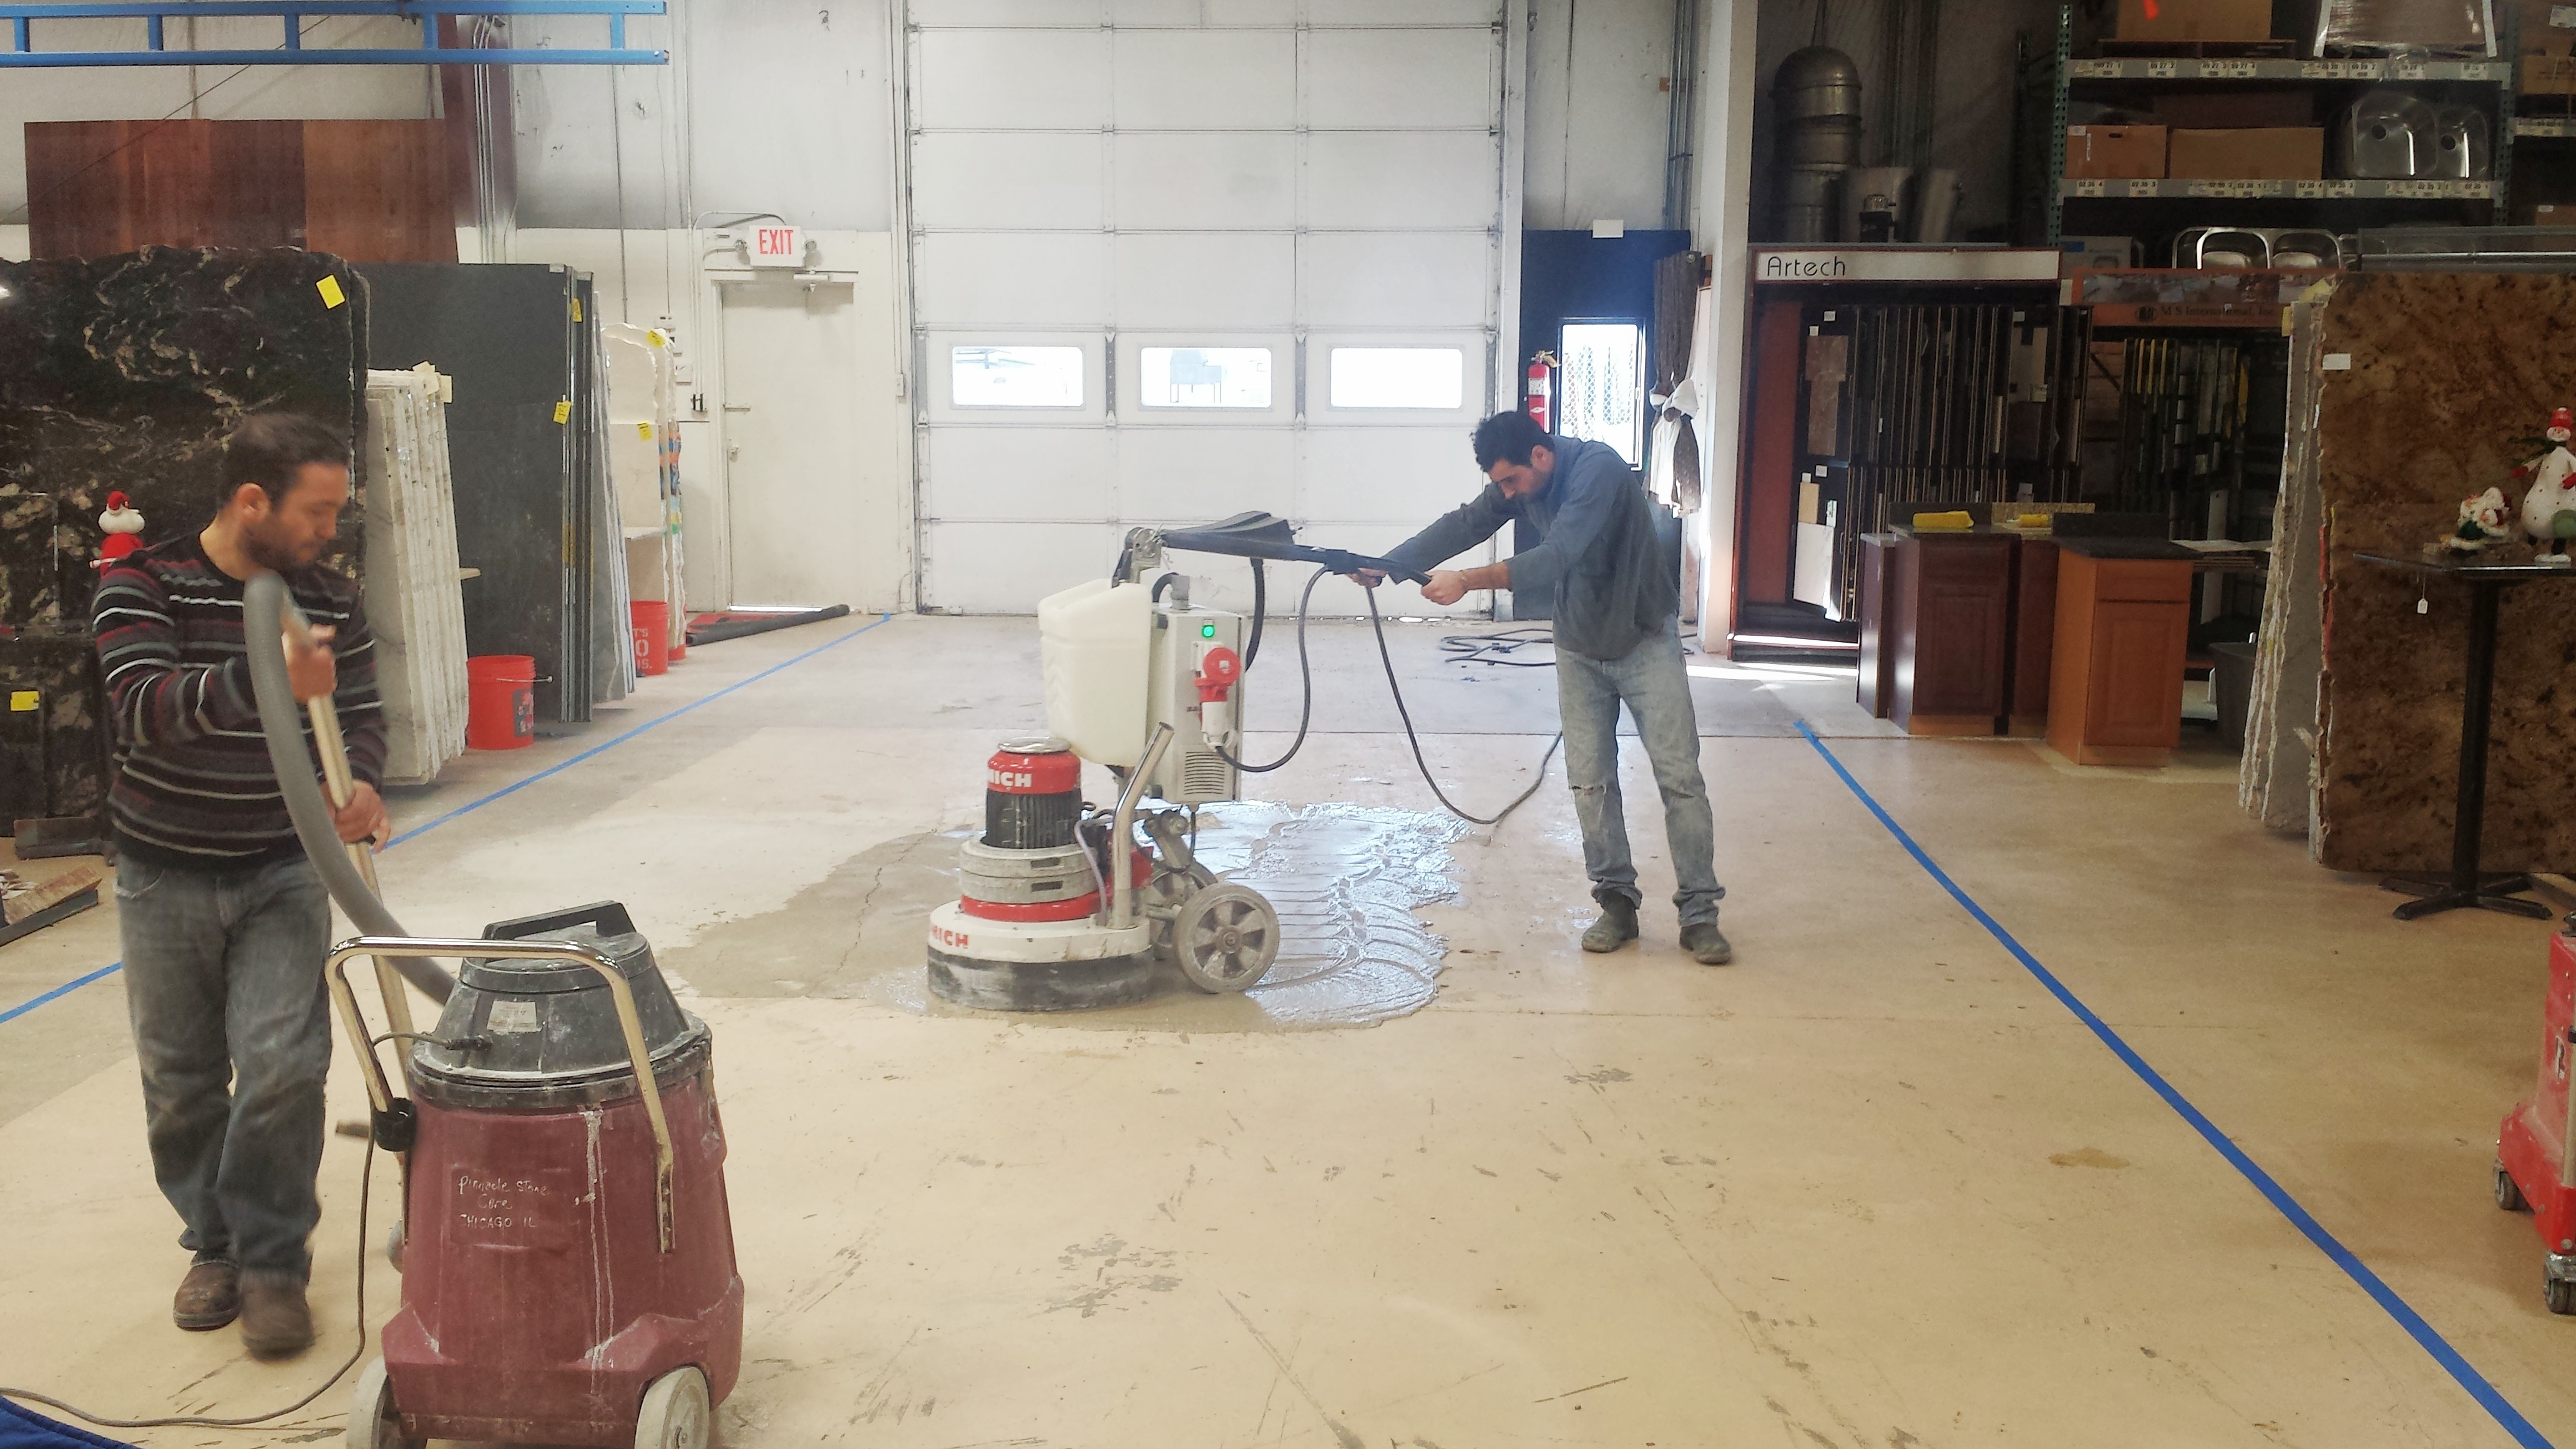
x: 777, y: 246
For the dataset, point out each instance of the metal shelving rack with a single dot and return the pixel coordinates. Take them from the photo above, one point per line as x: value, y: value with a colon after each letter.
x: 2048, y: 192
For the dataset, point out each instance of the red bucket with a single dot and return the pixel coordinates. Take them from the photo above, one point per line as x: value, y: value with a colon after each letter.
x: 500, y: 702
x: 652, y: 624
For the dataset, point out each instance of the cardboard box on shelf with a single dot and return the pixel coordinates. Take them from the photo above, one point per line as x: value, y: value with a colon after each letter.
x: 2277, y: 153
x: 2548, y: 75
x: 2096, y: 254
x: 2191, y: 20
x: 2540, y: 31
x: 2115, y: 151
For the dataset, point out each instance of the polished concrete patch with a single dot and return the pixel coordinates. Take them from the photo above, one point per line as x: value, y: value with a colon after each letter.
x: 1870, y: 1186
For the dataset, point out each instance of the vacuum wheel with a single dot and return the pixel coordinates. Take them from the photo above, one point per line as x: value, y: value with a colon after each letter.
x: 2559, y: 1294
x: 2508, y: 1194
x: 373, y: 1424
x: 676, y: 1412
x: 1162, y: 898
x: 1225, y: 937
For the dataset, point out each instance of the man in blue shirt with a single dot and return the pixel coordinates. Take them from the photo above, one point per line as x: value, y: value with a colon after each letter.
x: 1617, y: 640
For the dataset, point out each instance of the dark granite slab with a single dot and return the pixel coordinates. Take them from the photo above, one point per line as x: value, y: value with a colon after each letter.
x: 2125, y: 548
x: 126, y: 372
x: 54, y: 758
x: 506, y: 334
x: 2446, y: 370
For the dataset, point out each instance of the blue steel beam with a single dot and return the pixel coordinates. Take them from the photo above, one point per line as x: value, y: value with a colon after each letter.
x: 22, y: 53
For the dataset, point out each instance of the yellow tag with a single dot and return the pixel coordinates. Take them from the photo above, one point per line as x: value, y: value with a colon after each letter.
x: 332, y: 296
x: 22, y: 700
x: 563, y: 411
x: 658, y: 337
x: 644, y: 431
x: 576, y: 309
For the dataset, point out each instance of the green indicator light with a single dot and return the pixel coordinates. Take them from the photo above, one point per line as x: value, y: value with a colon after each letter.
x: 1207, y: 631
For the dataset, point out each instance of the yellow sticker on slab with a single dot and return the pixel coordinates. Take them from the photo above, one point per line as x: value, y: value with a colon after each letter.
x: 644, y: 431
x: 22, y: 700
x: 576, y: 309
x: 332, y: 296
x: 563, y: 411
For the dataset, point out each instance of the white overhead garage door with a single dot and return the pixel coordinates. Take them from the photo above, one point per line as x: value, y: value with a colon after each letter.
x: 1169, y: 267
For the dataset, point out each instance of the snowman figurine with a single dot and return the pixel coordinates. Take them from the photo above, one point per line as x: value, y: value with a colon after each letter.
x: 124, y: 529
x: 2549, y: 509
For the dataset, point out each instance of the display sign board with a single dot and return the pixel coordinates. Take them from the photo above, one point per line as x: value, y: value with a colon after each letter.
x: 1903, y: 264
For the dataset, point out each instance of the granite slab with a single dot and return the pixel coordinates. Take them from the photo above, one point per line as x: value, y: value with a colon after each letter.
x: 2444, y: 372
x: 125, y: 373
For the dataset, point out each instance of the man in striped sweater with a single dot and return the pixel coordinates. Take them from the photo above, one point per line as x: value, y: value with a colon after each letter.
x: 225, y: 924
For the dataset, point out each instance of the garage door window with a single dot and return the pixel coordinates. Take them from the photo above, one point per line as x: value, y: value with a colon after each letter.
x: 1205, y: 377
x: 1399, y: 377
x: 1015, y: 377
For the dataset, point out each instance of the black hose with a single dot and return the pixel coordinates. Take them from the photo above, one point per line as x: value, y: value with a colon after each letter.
x: 1305, y: 681
x: 1416, y: 740
x: 1260, y: 610
x: 264, y: 606
x: 1161, y: 584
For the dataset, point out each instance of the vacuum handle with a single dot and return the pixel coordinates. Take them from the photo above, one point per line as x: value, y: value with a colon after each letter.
x: 609, y: 918
x: 629, y: 1024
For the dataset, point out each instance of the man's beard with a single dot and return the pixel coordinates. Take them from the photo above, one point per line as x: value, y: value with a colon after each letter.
x: 272, y: 554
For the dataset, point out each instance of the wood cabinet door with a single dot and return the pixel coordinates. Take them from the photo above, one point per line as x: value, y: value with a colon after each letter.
x: 2136, y: 694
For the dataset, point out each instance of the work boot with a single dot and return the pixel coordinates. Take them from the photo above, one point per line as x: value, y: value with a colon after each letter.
x: 275, y: 1321
x: 1616, y: 928
x: 1706, y: 944
x: 209, y: 1297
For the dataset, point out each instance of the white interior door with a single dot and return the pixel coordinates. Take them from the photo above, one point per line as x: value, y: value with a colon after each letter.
x: 798, y: 500
x: 1170, y: 269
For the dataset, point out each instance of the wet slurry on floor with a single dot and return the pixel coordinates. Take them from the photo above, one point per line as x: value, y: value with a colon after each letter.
x: 1345, y: 879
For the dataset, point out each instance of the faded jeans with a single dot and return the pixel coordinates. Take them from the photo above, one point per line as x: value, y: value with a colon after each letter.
x: 1651, y: 680
x: 223, y: 973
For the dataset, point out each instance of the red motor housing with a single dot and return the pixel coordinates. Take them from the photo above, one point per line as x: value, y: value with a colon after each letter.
x: 1032, y: 795
x: 2532, y: 1145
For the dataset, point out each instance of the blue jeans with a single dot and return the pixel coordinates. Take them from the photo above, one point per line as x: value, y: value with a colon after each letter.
x: 1656, y: 688
x: 223, y: 979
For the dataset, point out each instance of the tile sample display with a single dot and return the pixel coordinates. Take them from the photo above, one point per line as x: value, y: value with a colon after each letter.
x: 415, y: 597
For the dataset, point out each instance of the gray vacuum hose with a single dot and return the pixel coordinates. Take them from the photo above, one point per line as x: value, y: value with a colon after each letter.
x: 265, y: 604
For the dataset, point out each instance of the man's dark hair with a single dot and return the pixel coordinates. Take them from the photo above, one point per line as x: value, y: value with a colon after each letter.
x: 1508, y: 438
x: 269, y: 449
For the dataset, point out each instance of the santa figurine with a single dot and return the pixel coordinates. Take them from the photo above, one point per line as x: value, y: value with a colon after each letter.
x: 2481, y: 523
x: 2549, y: 509
x: 124, y: 529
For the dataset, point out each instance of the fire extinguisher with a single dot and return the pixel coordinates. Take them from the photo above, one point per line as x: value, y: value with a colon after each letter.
x: 1542, y: 390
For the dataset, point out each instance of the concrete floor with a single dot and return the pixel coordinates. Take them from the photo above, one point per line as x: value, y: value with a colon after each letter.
x: 1871, y: 1186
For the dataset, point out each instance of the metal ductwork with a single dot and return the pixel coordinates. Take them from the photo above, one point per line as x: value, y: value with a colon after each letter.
x: 1817, y: 95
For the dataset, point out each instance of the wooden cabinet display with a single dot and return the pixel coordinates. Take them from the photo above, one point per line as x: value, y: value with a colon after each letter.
x: 2115, y: 687
x: 2034, y: 634
x: 1950, y: 633
x: 1876, y: 691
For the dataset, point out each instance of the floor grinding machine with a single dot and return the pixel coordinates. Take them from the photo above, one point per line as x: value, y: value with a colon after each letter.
x: 566, y: 1247
x: 2535, y: 1168
x: 1060, y: 906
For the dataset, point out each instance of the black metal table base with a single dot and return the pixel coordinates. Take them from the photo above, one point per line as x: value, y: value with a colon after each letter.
x: 2446, y: 893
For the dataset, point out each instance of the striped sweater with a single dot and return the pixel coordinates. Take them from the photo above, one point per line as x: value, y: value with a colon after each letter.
x: 193, y: 786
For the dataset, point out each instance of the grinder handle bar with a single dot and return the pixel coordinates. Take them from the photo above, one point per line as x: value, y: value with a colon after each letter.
x: 628, y: 1024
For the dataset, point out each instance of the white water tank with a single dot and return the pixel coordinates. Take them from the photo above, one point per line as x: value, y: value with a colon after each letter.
x: 1095, y: 648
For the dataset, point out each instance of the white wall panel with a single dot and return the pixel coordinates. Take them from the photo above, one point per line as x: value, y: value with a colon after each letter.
x: 1021, y: 14
x: 1381, y: 180
x: 1035, y: 79
x: 1205, y: 79
x: 1206, y: 180
x: 1005, y: 568
x: 1019, y: 475
x: 1002, y: 179
x: 1214, y: 14
x: 1347, y: 475
x: 1403, y: 12
x: 972, y: 279
x: 1396, y: 79
x: 1212, y: 280
x: 1199, y: 475
x: 1356, y: 279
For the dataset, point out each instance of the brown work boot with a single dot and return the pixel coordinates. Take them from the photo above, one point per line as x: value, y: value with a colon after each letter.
x: 209, y: 1297
x: 275, y: 1322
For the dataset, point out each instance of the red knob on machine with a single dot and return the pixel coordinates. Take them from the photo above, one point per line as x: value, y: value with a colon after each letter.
x: 1218, y: 671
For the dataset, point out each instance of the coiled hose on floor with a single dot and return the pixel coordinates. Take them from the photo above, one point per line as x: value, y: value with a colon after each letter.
x: 266, y: 608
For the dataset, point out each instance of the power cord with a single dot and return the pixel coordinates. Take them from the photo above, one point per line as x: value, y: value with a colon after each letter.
x: 1502, y: 644
x: 1498, y: 648
x: 366, y: 1189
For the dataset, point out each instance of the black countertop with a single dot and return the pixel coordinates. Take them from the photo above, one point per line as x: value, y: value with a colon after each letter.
x: 2126, y: 548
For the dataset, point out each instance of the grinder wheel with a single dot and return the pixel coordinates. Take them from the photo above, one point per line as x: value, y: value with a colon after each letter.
x: 373, y: 1423
x: 676, y: 1412
x: 1225, y: 937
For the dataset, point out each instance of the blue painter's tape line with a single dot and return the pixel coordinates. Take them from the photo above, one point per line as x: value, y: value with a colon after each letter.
x: 2386, y: 1297
x: 505, y: 791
